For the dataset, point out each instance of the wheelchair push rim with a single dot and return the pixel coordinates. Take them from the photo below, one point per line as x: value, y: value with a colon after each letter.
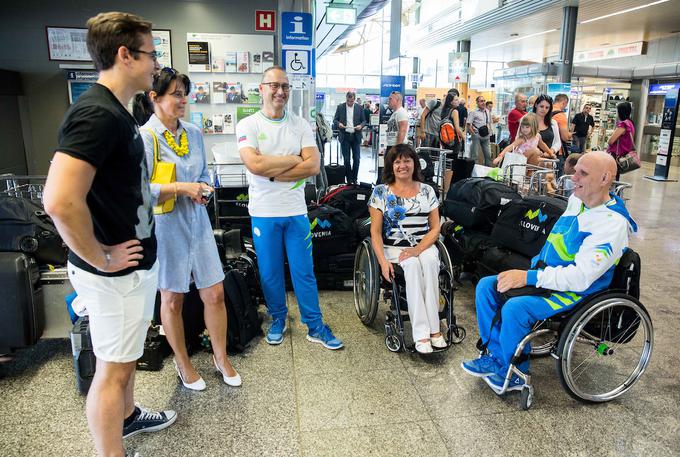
x: 366, y: 287
x: 598, y: 365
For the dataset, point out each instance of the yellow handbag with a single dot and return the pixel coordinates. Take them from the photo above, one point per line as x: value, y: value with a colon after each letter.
x: 163, y: 173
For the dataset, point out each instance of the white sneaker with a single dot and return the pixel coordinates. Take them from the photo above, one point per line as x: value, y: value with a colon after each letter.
x: 424, y: 347
x: 438, y: 342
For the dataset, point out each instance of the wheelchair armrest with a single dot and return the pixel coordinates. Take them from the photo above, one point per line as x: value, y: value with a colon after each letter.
x: 526, y: 290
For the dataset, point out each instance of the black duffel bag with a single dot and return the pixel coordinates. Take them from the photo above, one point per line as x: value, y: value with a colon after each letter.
x: 475, y: 202
x: 495, y: 260
x: 523, y: 225
x: 25, y: 227
x: 351, y: 199
x: 332, y: 231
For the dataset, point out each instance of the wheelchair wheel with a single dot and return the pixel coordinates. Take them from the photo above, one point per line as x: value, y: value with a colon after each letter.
x: 605, y: 348
x: 393, y: 343
x: 366, y: 282
x: 527, y: 398
x: 543, y: 344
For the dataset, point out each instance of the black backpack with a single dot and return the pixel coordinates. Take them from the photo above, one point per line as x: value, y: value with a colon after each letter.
x: 523, y: 225
x: 474, y: 202
x: 244, y: 322
x: 332, y: 231
x: 25, y: 227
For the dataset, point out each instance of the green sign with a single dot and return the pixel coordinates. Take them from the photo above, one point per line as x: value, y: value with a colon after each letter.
x: 243, y: 112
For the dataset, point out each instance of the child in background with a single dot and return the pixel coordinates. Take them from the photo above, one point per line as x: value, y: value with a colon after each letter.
x: 527, y: 142
x: 569, y: 165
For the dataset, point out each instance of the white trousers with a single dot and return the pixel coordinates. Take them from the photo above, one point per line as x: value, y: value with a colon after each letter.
x: 422, y: 292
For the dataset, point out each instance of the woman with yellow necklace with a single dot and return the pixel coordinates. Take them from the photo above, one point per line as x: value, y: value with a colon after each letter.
x: 186, y: 245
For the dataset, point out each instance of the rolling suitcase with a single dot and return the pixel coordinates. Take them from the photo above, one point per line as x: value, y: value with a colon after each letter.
x: 335, y: 173
x: 84, y: 360
x: 22, y: 310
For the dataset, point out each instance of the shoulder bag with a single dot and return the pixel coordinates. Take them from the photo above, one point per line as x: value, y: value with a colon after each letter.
x: 629, y: 161
x: 162, y: 173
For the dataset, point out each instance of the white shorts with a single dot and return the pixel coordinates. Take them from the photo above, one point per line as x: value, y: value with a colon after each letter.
x: 120, y: 310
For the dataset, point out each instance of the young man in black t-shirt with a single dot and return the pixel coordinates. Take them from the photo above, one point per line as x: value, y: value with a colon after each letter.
x: 582, y: 126
x: 98, y: 194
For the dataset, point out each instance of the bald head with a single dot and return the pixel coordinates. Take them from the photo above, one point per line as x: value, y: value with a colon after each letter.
x: 600, y: 163
x: 593, y: 177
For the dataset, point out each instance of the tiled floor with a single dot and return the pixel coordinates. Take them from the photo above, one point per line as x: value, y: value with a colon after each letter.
x: 301, y: 399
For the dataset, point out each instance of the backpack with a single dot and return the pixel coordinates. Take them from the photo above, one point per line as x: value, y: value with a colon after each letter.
x: 448, y: 135
x: 243, y: 321
x: 25, y: 227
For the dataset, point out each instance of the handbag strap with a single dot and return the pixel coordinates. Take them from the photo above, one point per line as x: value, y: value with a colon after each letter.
x: 156, y: 153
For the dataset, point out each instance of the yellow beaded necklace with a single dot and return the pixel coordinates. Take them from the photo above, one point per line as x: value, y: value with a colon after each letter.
x: 183, y: 148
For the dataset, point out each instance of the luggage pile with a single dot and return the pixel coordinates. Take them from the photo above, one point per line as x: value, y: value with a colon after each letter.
x: 493, y: 228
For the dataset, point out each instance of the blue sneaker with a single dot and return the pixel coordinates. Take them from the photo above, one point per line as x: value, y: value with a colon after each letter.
x: 276, y: 331
x: 323, y: 335
x: 496, y: 383
x: 483, y: 366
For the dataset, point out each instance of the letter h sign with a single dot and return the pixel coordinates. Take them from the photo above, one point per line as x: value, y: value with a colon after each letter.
x: 265, y: 21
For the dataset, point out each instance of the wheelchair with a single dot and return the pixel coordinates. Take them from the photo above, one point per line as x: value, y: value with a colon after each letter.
x: 601, y: 347
x: 369, y: 283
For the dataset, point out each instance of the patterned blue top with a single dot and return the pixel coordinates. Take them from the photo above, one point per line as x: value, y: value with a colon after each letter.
x: 186, y: 245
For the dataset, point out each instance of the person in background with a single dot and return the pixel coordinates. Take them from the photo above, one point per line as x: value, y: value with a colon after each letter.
x: 479, y: 127
x: 547, y: 127
x: 582, y: 126
x: 404, y: 230
x: 462, y: 117
x: 494, y: 121
x: 367, y: 126
x: 622, y: 140
x: 397, y: 125
x: 516, y: 114
x: 531, y: 102
x: 430, y: 118
x: 279, y: 151
x: 186, y: 245
x: 97, y: 192
x: 349, y: 121
x: 527, y: 142
x: 559, y: 114
x: 570, y: 169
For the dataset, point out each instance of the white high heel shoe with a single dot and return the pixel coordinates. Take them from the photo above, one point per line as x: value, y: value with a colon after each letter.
x: 196, y: 385
x: 233, y: 381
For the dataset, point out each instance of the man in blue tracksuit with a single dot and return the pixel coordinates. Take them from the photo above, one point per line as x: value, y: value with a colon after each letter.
x: 577, y: 260
x: 279, y: 151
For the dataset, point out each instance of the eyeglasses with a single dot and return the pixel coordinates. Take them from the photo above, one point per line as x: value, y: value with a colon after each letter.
x: 153, y: 54
x: 276, y: 86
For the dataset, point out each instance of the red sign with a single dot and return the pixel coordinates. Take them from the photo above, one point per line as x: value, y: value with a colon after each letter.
x: 265, y: 21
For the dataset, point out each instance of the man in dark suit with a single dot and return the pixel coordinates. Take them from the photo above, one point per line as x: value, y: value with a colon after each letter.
x: 349, y: 120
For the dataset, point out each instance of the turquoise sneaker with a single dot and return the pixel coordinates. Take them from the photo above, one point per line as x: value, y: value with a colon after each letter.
x: 276, y: 331
x: 323, y: 335
x: 483, y: 366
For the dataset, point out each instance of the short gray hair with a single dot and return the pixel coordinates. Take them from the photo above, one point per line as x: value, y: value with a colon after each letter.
x: 272, y: 68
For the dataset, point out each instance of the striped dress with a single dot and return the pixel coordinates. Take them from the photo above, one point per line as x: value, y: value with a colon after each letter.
x: 405, y: 220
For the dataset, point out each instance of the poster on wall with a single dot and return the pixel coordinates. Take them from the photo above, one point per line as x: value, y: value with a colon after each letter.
x: 199, y: 56
x: 243, y: 62
x: 79, y: 82
x: 243, y: 112
x: 161, y: 41
x: 200, y: 92
x: 67, y: 44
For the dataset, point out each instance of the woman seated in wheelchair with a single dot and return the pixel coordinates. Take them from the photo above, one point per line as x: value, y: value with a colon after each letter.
x: 404, y: 230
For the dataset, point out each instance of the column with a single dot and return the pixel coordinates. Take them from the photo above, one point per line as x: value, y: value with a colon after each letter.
x: 567, y: 41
